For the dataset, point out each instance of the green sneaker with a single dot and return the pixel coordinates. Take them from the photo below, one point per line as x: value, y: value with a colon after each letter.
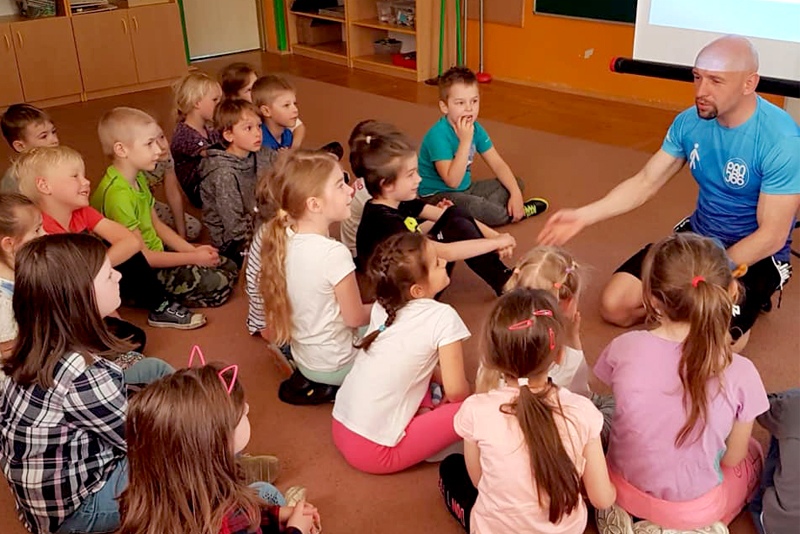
x: 535, y: 206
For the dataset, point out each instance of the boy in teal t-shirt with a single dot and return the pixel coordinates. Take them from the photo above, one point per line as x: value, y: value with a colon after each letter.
x: 449, y: 148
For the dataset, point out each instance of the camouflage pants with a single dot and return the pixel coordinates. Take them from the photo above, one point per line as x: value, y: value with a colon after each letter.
x: 192, y: 224
x: 200, y: 287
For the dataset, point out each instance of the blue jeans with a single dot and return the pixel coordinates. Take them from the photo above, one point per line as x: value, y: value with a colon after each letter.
x: 99, y: 512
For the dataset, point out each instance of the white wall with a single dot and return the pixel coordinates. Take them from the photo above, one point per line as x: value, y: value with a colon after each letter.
x: 8, y: 7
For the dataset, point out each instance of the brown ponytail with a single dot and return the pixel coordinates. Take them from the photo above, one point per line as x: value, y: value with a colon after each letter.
x: 687, y: 278
x: 296, y: 176
x: 397, y: 264
x: 528, y: 351
x: 376, y: 150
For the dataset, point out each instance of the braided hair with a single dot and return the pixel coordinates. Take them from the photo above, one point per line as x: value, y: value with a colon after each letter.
x: 396, y: 265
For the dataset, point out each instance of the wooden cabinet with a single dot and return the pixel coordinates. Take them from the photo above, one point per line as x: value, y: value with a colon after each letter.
x: 47, y: 59
x: 157, y: 39
x: 10, y: 84
x: 104, y: 48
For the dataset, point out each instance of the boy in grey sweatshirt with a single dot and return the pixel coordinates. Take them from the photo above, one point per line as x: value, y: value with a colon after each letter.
x: 229, y: 178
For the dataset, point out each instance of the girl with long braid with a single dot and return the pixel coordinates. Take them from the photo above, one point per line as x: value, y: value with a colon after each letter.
x: 384, y: 419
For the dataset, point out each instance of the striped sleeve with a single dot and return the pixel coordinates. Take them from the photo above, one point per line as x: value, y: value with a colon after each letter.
x: 255, y: 312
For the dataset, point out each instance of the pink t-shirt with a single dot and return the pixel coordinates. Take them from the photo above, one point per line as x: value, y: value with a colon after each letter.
x: 507, y: 496
x: 82, y: 220
x: 642, y: 369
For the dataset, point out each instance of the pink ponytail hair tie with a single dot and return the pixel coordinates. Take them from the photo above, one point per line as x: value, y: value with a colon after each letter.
x: 697, y: 279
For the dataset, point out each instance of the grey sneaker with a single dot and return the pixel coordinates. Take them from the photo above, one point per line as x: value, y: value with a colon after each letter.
x: 614, y: 520
x: 173, y: 315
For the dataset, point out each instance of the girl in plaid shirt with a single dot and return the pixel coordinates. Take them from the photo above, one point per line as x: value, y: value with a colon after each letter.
x: 62, y: 415
x: 199, y: 415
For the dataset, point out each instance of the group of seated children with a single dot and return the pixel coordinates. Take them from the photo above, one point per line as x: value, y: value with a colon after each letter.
x: 86, y: 424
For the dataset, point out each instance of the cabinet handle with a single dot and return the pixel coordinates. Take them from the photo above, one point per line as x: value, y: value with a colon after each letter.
x: 19, y: 38
x: 124, y: 26
x: 135, y: 24
x: 8, y: 41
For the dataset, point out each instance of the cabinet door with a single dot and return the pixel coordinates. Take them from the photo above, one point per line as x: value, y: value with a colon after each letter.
x: 46, y: 57
x: 104, y: 48
x: 158, y: 42
x: 10, y: 86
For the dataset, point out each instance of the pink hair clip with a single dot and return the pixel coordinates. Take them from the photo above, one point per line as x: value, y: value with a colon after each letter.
x: 235, y: 368
x: 527, y: 323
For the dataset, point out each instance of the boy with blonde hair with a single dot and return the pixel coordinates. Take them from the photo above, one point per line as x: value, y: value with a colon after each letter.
x: 449, y: 148
x: 195, y: 275
x: 25, y: 126
x: 54, y: 179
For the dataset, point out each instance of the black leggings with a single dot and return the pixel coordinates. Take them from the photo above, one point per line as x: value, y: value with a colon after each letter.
x: 457, y: 489
x: 139, y: 287
x: 456, y: 224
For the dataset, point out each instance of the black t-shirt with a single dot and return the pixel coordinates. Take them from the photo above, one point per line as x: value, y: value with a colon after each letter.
x: 379, y: 222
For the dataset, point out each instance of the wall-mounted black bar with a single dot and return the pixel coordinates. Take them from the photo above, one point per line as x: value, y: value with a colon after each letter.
x: 623, y: 65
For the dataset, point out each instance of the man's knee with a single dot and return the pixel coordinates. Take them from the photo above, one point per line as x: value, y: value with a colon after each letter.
x: 621, y: 301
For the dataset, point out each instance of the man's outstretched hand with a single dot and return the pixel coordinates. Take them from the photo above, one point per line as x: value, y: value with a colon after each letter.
x: 562, y: 226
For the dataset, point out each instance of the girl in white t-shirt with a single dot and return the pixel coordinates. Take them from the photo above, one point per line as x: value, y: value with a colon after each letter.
x: 307, y: 285
x: 20, y: 221
x: 384, y: 419
x: 530, y: 426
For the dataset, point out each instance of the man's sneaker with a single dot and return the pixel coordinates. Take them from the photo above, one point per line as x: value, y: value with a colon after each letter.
x: 535, y: 206
x: 614, y: 520
x: 261, y: 468
x: 173, y: 315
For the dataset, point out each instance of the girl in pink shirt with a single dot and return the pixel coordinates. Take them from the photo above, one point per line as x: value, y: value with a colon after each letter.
x: 680, y: 451
x: 529, y: 445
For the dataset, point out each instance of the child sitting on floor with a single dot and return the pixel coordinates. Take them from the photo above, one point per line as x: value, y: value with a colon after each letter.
x: 228, y: 178
x: 681, y: 453
x: 387, y: 161
x: 200, y: 416
x: 62, y: 441
x: 25, y: 126
x: 195, y: 275
x: 237, y: 80
x: 449, y: 148
x: 384, y: 420
x: 306, y: 283
x: 196, y: 98
x: 20, y: 222
x: 530, y: 447
x: 54, y: 178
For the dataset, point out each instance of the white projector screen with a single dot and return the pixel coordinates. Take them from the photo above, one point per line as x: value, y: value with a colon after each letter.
x: 673, y: 31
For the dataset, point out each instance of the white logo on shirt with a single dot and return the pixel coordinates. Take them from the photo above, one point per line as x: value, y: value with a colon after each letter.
x: 736, y: 175
x: 694, y: 156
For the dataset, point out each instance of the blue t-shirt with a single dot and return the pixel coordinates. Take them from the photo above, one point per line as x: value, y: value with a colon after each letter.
x: 267, y: 139
x: 733, y: 166
x: 441, y: 144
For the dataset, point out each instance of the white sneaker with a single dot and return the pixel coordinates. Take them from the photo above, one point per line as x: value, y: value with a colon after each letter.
x: 614, y: 520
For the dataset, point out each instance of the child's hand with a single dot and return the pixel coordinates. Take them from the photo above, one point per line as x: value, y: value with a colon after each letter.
x: 206, y: 256
x: 444, y: 203
x: 504, y: 242
x: 304, y: 517
x: 465, y: 128
x: 516, y: 209
x: 574, y: 331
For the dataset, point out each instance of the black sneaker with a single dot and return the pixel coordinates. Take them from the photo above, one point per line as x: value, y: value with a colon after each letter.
x: 535, y: 206
x: 173, y: 315
x: 300, y: 391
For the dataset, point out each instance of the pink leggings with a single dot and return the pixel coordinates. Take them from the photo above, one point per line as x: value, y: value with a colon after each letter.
x: 723, y: 503
x: 426, y: 435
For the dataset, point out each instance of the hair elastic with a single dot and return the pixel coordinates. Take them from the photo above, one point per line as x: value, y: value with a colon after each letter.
x: 522, y: 382
x: 739, y: 271
x: 368, y: 139
x: 382, y: 327
x: 697, y: 279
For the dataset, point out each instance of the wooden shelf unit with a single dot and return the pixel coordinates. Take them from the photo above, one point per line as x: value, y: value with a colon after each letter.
x: 361, y: 28
x: 76, y: 57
